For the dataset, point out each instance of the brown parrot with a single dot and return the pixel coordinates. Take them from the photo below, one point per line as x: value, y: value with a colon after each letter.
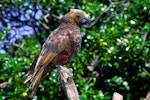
x: 59, y: 47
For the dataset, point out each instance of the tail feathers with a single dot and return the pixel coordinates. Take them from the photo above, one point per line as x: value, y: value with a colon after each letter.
x: 31, y: 70
x: 36, y: 81
x: 29, y: 77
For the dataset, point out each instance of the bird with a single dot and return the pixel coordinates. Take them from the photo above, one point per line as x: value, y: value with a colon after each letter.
x: 60, y: 46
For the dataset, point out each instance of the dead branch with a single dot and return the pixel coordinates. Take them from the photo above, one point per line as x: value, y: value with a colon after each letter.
x: 146, y: 72
x: 44, y: 25
x: 57, y: 17
x: 117, y: 96
x: 130, y: 33
x: 48, y: 14
x: 112, y: 4
x: 93, y: 65
x: 67, y: 83
x: 45, y: 17
x: 47, y: 21
x: 147, y: 96
x: 145, y: 36
x: 17, y: 46
x: 4, y: 84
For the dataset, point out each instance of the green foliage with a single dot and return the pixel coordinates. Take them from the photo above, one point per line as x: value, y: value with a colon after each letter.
x: 120, y: 38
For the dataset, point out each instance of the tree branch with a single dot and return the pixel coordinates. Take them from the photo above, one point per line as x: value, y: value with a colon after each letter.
x: 4, y: 84
x: 117, y: 96
x: 94, y: 63
x: 17, y: 46
x: 147, y: 96
x: 146, y: 72
x: 67, y: 83
x: 104, y: 11
x: 44, y: 25
x: 57, y: 17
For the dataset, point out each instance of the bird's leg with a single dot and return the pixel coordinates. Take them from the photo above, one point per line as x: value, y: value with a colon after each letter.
x: 59, y: 77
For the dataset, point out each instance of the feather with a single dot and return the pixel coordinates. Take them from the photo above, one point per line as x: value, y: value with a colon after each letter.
x: 36, y: 82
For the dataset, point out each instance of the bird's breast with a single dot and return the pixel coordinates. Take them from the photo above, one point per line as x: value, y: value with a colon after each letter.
x: 65, y: 56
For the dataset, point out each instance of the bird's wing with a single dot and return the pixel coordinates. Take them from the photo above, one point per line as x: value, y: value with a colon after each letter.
x: 54, y: 44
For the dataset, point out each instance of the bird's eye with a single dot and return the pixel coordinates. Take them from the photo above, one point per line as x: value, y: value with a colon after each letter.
x: 78, y: 16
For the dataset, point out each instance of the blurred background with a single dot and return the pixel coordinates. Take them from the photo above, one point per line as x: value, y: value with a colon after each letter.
x: 115, y: 53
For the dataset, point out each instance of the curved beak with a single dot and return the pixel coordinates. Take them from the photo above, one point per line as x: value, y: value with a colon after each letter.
x: 86, y: 19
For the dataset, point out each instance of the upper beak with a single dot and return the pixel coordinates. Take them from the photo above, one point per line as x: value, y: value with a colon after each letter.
x: 86, y: 19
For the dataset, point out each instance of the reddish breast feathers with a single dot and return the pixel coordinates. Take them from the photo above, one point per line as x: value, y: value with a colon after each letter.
x: 64, y: 57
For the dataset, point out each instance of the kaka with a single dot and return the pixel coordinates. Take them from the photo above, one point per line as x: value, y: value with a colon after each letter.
x: 59, y: 47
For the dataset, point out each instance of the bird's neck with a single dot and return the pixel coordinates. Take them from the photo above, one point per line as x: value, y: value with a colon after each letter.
x: 71, y: 26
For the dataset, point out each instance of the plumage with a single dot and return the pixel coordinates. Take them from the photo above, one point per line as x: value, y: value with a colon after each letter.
x: 59, y: 47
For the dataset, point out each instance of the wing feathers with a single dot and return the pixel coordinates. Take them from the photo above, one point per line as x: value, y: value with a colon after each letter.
x: 48, y: 58
x: 44, y: 60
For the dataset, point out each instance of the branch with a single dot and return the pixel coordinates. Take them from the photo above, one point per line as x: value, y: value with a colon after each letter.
x: 18, y: 46
x: 47, y: 21
x: 93, y: 65
x: 104, y: 11
x: 57, y: 17
x: 146, y: 72
x: 4, y: 84
x: 67, y: 83
x: 45, y: 17
x: 117, y: 96
x: 145, y: 36
x: 44, y: 25
x: 48, y: 14
x: 147, y: 96
x: 128, y: 35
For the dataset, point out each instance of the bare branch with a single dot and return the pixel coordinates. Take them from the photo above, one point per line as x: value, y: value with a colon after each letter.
x: 47, y: 21
x: 93, y: 64
x: 48, y: 14
x: 67, y: 83
x: 104, y: 11
x: 128, y: 35
x: 17, y: 46
x: 57, y: 17
x: 117, y: 96
x: 4, y: 84
x: 145, y: 36
x: 146, y: 72
x: 44, y: 25
x: 147, y: 96
x: 45, y: 17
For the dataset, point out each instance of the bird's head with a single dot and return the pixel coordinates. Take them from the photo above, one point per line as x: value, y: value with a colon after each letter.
x: 79, y: 16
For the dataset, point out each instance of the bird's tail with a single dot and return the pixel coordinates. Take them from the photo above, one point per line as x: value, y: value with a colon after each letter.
x: 34, y: 77
x: 31, y: 70
x: 35, y: 81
